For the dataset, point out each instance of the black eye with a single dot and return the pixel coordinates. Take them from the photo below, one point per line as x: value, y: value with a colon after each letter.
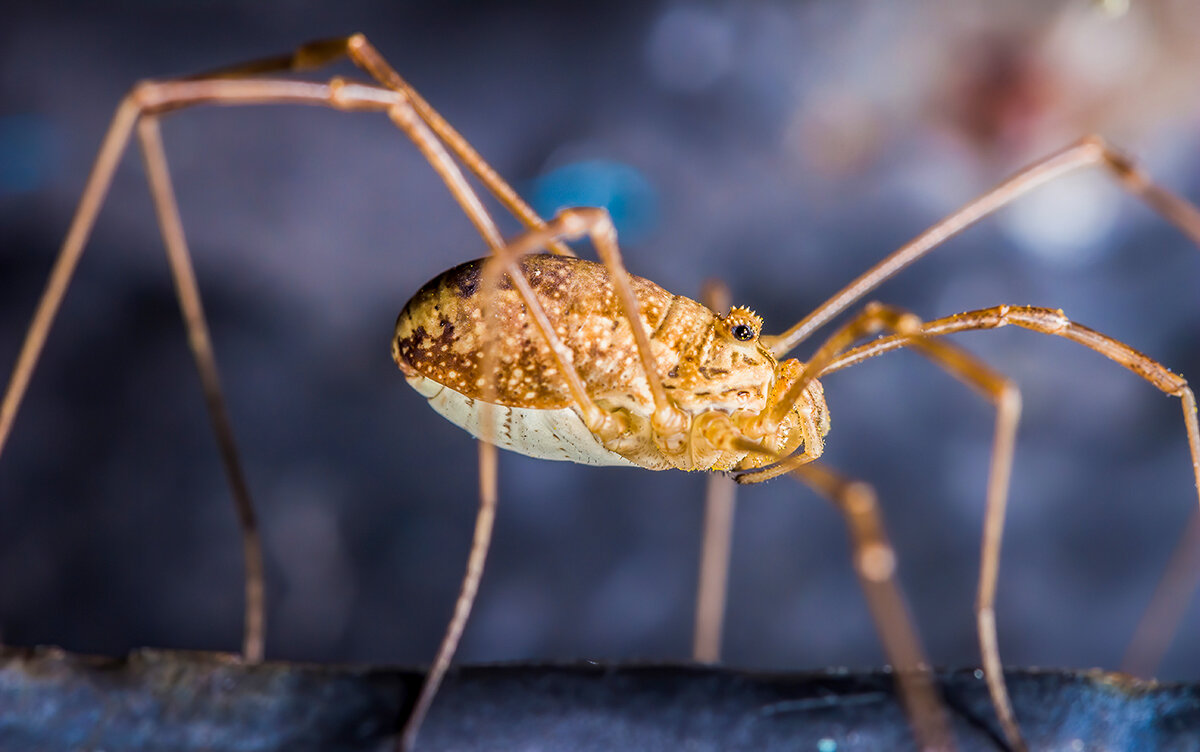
x: 742, y: 332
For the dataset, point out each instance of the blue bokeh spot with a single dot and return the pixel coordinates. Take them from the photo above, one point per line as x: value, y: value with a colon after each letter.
x: 27, y: 153
x: 622, y: 190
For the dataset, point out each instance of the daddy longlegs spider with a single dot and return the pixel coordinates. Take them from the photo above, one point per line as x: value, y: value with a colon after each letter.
x: 539, y: 352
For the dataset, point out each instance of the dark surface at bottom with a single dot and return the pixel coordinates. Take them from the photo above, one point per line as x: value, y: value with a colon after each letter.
x: 158, y: 700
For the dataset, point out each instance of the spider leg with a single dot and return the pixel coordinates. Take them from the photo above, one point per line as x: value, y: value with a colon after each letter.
x: 362, y: 53
x: 151, y: 99
x: 200, y: 343
x: 1150, y: 641
x: 873, y: 318
x: 481, y: 540
x: 720, y: 499
x: 1160, y: 622
x: 1087, y: 152
x: 998, y: 390
x: 1046, y: 321
x: 875, y: 564
x: 148, y: 100
x: 144, y: 101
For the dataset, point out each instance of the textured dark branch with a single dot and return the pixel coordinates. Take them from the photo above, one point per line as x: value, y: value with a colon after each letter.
x: 158, y: 700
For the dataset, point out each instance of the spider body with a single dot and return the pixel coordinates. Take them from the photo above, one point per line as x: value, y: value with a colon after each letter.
x: 709, y: 364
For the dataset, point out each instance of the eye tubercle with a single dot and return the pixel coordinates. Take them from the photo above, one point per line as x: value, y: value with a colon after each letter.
x: 742, y: 324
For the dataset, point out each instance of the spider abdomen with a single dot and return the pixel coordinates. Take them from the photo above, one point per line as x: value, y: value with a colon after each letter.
x: 441, y: 334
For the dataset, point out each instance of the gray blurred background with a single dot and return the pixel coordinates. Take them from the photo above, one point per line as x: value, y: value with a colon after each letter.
x: 782, y: 147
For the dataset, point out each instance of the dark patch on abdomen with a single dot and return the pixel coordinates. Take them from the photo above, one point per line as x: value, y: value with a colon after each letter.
x: 466, y: 281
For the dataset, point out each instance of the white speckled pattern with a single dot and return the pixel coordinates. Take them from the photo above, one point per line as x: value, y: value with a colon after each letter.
x: 547, y: 434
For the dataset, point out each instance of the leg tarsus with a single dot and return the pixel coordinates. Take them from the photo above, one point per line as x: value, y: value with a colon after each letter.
x: 200, y: 343
x: 1160, y: 621
x: 875, y: 563
x: 1007, y: 402
x: 719, y: 504
x: 484, y: 522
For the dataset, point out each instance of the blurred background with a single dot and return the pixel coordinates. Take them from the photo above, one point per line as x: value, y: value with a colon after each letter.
x: 780, y: 146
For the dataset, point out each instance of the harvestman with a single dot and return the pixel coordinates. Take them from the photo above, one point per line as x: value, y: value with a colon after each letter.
x: 503, y: 348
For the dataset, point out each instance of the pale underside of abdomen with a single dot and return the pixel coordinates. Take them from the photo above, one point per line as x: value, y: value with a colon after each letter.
x: 549, y: 434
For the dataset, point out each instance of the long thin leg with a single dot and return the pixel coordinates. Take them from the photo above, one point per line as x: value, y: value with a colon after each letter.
x: 597, y: 420
x: 875, y: 564
x: 110, y: 153
x: 484, y: 521
x: 1159, y: 623
x: 1087, y: 152
x: 362, y: 53
x: 873, y: 318
x: 1046, y: 321
x: 874, y: 557
x: 1007, y: 400
x: 165, y: 96
x: 570, y: 223
x: 200, y: 342
x: 365, y: 56
x: 155, y: 97
x: 146, y: 99
x: 719, y: 503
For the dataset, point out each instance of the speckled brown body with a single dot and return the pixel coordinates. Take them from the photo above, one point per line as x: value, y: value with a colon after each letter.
x: 440, y: 336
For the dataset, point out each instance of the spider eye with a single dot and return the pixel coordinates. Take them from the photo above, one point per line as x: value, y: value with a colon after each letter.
x: 742, y: 324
